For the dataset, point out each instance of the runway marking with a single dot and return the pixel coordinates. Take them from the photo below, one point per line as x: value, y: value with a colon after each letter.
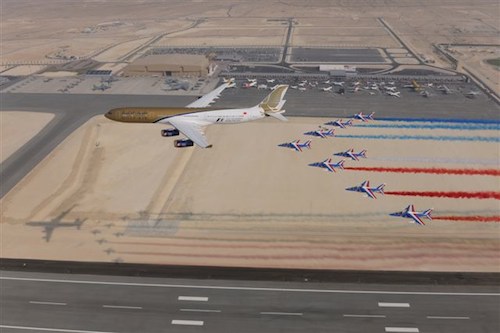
x: 440, y: 317
x: 402, y: 329
x: 200, y: 310
x: 47, y: 303
x: 283, y: 313
x: 29, y: 328
x: 363, y: 316
x: 187, y: 322
x: 192, y: 298
x: 122, y: 307
x: 211, y: 287
x: 393, y: 305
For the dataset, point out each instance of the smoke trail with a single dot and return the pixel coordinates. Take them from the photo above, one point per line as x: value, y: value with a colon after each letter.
x: 437, y: 171
x: 468, y: 218
x: 440, y: 120
x: 449, y: 126
x: 456, y: 195
x: 423, y: 137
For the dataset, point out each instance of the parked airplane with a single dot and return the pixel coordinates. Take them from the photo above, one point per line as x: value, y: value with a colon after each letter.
x: 369, y: 191
x: 472, y: 94
x: 410, y: 213
x: 270, y: 80
x: 225, y: 80
x: 321, y: 132
x: 328, y: 165
x: 338, y: 84
x: 351, y: 154
x: 326, y: 89
x: 262, y: 86
x: 296, y: 145
x: 364, y: 117
x: 294, y: 87
x: 339, y: 123
x: 414, y: 85
x: 302, y: 89
x: 250, y: 84
x: 251, y: 80
x: 445, y: 89
x: 192, y: 119
x: 394, y: 93
x: 393, y: 89
x: 425, y: 93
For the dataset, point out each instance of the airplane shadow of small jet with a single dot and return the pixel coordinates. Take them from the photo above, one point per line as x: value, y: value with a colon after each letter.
x: 50, y: 226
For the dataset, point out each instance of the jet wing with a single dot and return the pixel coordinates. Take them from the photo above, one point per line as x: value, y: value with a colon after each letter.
x: 192, y: 129
x: 209, y: 98
x: 416, y: 218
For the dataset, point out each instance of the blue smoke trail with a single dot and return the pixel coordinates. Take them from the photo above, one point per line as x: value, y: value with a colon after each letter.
x: 450, y: 126
x: 423, y: 137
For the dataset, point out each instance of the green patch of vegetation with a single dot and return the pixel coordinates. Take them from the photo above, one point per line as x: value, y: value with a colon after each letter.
x: 494, y: 62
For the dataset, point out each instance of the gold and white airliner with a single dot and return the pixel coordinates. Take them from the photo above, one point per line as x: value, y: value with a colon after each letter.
x: 192, y: 119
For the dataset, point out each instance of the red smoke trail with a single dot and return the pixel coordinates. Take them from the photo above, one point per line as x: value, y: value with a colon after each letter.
x: 456, y: 195
x: 468, y: 218
x: 482, y: 172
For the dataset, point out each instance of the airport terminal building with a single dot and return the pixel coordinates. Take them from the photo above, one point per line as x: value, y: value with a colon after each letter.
x: 169, y: 65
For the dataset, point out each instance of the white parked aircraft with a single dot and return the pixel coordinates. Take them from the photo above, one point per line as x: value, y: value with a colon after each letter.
x: 270, y: 80
x: 192, y: 119
x: 326, y: 89
x: 394, y: 93
x: 262, y: 86
x: 393, y: 89
x: 339, y: 84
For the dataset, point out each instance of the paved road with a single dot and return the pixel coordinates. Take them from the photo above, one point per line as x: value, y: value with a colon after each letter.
x: 72, y: 110
x: 87, y: 303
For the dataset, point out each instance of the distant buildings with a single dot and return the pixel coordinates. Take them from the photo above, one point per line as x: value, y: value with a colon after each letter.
x: 169, y: 65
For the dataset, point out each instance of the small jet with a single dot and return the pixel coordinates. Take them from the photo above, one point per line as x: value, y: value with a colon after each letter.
x: 355, y: 89
x: 302, y: 84
x: 328, y: 165
x: 364, y: 117
x: 393, y: 89
x: 326, y: 89
x: 338, y: 83
x: 425, y: 94
x: 394, y: 93
x: 270, y: 80
x: 274, y: 87
x: 339, y: 123
x: 302, y: 89
x: 445, y: 89
x: 294, y: 87
x: 226, y: 80
x: 250, y: 84
x: 327, y: 82
x: 410, y: 213
x: 472, y: 94
x: 351, y: 154
x: 369, y: 191
x: 251, y: 80
x: 321, y: 132
x: 262, y: 86
x: 414, y: 85
x: 296, y: 145
x: 356, y: 83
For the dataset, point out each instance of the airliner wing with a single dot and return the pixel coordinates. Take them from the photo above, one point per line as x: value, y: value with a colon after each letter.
x: 190, y: 128
x: 209, y: 98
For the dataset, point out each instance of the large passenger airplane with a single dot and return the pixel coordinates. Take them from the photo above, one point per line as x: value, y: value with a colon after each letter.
x: 192, y: 119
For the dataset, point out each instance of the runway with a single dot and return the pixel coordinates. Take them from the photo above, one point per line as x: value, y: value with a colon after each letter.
x: 87, y: 303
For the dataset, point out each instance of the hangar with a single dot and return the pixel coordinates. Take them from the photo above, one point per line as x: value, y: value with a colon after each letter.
x: 169, y: 65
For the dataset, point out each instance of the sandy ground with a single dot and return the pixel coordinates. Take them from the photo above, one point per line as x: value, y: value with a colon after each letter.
x: 24, y: 70
x: 17, y: 128
x: 248, y: 202
x: 114, y: 53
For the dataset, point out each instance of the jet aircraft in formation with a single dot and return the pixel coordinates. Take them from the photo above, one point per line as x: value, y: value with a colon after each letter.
x: 369, y: 191
x: 321, y: 132
x: 296, y: 145
x: 364, y: 117
x: 339, y: 123
x: 351, y: 154
x: 328, y: 165
x: 411, y: 213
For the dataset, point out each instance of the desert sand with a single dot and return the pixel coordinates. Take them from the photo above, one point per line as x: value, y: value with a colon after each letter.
x: 248, y: 202
x: 17, y: 128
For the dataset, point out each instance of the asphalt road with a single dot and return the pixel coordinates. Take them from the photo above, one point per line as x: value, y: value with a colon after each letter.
x: 72, y: 110
x: 86, y: 303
